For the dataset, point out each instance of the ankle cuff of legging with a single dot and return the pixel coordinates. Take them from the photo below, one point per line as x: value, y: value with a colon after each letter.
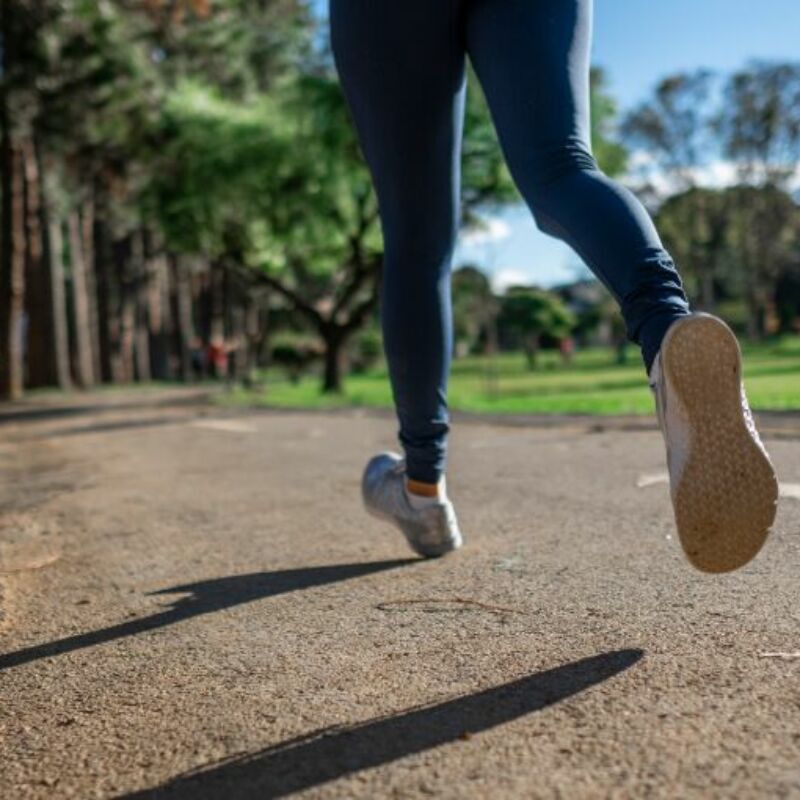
x: 424, y: 473
x: 652, y: 333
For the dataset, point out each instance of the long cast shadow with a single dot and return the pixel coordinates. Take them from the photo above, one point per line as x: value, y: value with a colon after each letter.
x: 113, y: 427
x: 48, y: 412
x: 205, y: 597
x: 332, y: 753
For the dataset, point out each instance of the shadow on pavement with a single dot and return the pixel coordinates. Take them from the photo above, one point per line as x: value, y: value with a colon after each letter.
x: 205, y: 597
x: 332, y: 753
x: 116, y: 425
x: 45, y: 412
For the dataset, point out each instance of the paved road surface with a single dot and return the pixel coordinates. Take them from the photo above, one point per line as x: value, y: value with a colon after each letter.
x: 196, y: 606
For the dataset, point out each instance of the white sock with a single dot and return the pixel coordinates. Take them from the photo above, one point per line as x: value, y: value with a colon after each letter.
x: 419, y: 501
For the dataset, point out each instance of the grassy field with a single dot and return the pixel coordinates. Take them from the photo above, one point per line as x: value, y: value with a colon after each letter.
x: 592, y: 384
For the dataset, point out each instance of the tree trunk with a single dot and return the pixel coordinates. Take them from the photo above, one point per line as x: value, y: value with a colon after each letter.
x: 532, y: 343
x: 757, y: 317
x: 39, y: 350
x: 84, y: 364
x: 217, y: 301
x: 103, y: 260
x: 55, y: 289
x: 334, y: 361
x: 707, y: 294
x: 142, y: 316
x: 203, y: 303
x: 748, y: 255
x: 262, y: 356
x: 55, y: 249
x: 706, y: 257
x: 237, y: 344
x: 252, y: 339
x: 490, y: 352
x: 128, y: 252
x: 158, y: 313
x: 181, y: 306
x: 48, y: 338
x: 87, y: 241
x: 12, y: 268
x: 12, y: 226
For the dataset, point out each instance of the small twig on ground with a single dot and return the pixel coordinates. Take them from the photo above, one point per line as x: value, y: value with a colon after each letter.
x: 395, y: 605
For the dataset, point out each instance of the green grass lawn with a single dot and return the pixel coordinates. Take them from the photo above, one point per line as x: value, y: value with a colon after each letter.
x: 592, y: 384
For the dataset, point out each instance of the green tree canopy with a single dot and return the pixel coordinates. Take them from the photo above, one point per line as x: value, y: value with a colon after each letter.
x: 530, y: 313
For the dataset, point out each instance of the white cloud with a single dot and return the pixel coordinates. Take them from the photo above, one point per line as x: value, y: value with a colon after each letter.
x: 509, y: 276
x: 491, y: 230
x: 717, y: 174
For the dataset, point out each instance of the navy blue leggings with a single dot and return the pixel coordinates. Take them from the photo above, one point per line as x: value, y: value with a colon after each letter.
x: 402, y: 67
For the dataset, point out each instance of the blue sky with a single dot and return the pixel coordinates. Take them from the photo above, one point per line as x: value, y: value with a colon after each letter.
x: 637, y: 42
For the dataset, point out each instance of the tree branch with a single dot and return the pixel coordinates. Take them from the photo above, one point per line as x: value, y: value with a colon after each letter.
x: 362, y: 310
x: 262, y: 278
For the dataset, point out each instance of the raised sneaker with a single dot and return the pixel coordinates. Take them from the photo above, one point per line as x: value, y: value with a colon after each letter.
x: 429, y: 525
x: 723, y: 486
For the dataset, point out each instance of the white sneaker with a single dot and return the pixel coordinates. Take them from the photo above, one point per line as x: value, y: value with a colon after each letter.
x: 431, y: 530
x: 724, y: 490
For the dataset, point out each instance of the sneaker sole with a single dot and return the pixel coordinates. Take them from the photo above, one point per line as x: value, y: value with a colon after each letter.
x: 426, y: 551
x: 727, y: 495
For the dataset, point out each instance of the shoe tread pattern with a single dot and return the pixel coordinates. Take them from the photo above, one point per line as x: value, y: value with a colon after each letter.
x: 727, y: 492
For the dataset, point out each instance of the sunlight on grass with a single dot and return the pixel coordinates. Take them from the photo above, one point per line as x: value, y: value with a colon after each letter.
x: 592, y: 384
